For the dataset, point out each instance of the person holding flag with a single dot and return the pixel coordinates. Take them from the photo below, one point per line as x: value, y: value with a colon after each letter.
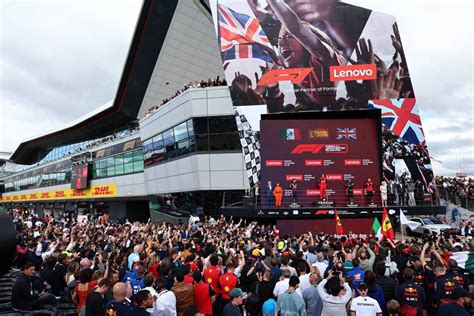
x: 339, y: 228
x: 387, y: 229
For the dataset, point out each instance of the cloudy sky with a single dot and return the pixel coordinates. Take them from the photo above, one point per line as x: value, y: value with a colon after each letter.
x: 61, y: 59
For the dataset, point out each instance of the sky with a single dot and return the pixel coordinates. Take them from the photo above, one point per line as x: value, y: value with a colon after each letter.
x: 62, y: 59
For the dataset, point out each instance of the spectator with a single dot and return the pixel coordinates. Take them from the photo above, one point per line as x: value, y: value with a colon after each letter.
x: 357, y: 274
x: 321, y: 265
x: 166, y: 300
x: 27, y: 294
x: 204, y: 295
x: 227, y: 282
x: 184, y: 293
x: 290, y: 302
x: 462, y: 301
x: 363, y: 304
x: 374, y: 289
x: 387, y: 284
x: 119, y: 305
x: 144, y: 301
x: 334, y: 302
x: 410, y: 296
x: 314, y: 304
x: 83, y: 288
x: 95, y: 302
x: 236, y: 299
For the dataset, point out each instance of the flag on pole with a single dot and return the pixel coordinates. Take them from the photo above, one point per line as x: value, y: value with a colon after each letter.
x: 387, y: 229
x: 405, y: 221
x: 377, y: 229
x: 339, y: 229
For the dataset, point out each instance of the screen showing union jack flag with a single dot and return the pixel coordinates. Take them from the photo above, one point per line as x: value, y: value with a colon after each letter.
x: 346, y: 133
x: 402, y: 117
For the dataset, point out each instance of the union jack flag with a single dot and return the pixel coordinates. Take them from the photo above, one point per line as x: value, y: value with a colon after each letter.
x: 402, y: 117
x: 241, y: 35
x: 346, y: 133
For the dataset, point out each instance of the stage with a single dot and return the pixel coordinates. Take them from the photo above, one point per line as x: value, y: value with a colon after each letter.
x: 354, y: 219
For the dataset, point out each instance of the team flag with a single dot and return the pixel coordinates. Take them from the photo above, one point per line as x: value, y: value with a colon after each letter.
x: 405, y: 221
x: 290, y: 134
x: 339, y: 228
x: 387, y: 229
x: 318, y: 133
x: 377, y: 229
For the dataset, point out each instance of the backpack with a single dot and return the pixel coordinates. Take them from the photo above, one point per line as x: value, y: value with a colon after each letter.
x: 252, y: 305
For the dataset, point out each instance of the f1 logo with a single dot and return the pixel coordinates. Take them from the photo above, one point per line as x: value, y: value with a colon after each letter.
x: 295, y: 75
x: 307, y: 148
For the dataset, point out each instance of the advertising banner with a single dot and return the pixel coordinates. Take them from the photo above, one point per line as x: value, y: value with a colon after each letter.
x: 301, y: 152
x: 320, y: 55
x: 94, y: 192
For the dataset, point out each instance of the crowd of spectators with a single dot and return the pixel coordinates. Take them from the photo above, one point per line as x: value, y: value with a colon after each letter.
x: 221, y: 267
x: 192, y: 84
x: 457, y: 190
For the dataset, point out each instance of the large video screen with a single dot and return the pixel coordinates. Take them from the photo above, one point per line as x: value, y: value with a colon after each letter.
x: 305, y: 149
x: 79, y: 176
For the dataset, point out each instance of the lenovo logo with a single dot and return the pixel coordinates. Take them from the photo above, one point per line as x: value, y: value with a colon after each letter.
x: 295, y: 75
x: 274, y: 163
x: 334, y: 177
x: 353, y: 72
x: 291, y: 177
x: 312, y: 192
x: 313, y: 163
x: 352, y: 162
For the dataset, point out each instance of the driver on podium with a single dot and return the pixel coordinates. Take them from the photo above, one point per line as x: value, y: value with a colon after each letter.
x: 278, y: 194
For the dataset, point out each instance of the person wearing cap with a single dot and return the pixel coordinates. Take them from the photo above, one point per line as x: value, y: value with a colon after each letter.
x: 462, y: 302
x: 363, y: 304
x: 410, y: 295
x: 269, y: 307
x: 236, y: 299
x: 290, y: 302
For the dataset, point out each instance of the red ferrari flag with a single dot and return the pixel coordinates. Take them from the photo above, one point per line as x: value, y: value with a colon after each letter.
x: 339, y: 229
x: 387, y: 229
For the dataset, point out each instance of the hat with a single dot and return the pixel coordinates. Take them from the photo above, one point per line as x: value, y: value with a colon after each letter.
x: 362, y: 286
x: 460, y: 292
x: 256, y: 252
x: 348, y: 265
x: 237, y: 292
x: 281, y: 245
x: 269, y: 306
x: 286, y: 254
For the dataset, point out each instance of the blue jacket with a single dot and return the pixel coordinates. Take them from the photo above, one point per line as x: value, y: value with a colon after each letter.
x: 357, y: 275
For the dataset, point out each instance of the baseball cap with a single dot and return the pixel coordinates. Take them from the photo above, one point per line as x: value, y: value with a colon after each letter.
x: 348, y: 265
x: 362, y: 286
x: 237, y: 292
x: 269, y: 306
x: 281, y: 245
x: 460, y: 292
x: 256, y: 252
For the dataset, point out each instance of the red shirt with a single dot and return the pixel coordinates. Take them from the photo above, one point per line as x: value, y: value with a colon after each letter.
x: 227, y: 282
x: 211, y: 276
x: 188, y: 279
x: 202, y: 298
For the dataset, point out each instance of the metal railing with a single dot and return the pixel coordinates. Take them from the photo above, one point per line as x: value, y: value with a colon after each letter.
x: 455, y: 197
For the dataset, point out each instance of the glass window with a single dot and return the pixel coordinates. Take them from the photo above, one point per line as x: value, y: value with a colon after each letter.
x: 230, y: 141
x: 180, y: 132
x: 119, y: 159
x: 202, y: 142
x: 111, y: 171
x: 190, y: 127
x: 110, y: 162
x: 138, y: 155
x: 147, y: 145
x: 222, y: 124
x: 183, y: 148
x: 138, y: 166
x: 101, y: 173
x: 158, y: 141
x: 168, y: 137
x: 170, y: 151
x: 128, y: 167
x: 119, y: 169
x: 128, y: 157
x: 200, y: 125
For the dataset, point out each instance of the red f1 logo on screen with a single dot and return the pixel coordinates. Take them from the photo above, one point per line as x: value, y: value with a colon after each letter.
x: 295, y: 75
x: 316, y: 148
